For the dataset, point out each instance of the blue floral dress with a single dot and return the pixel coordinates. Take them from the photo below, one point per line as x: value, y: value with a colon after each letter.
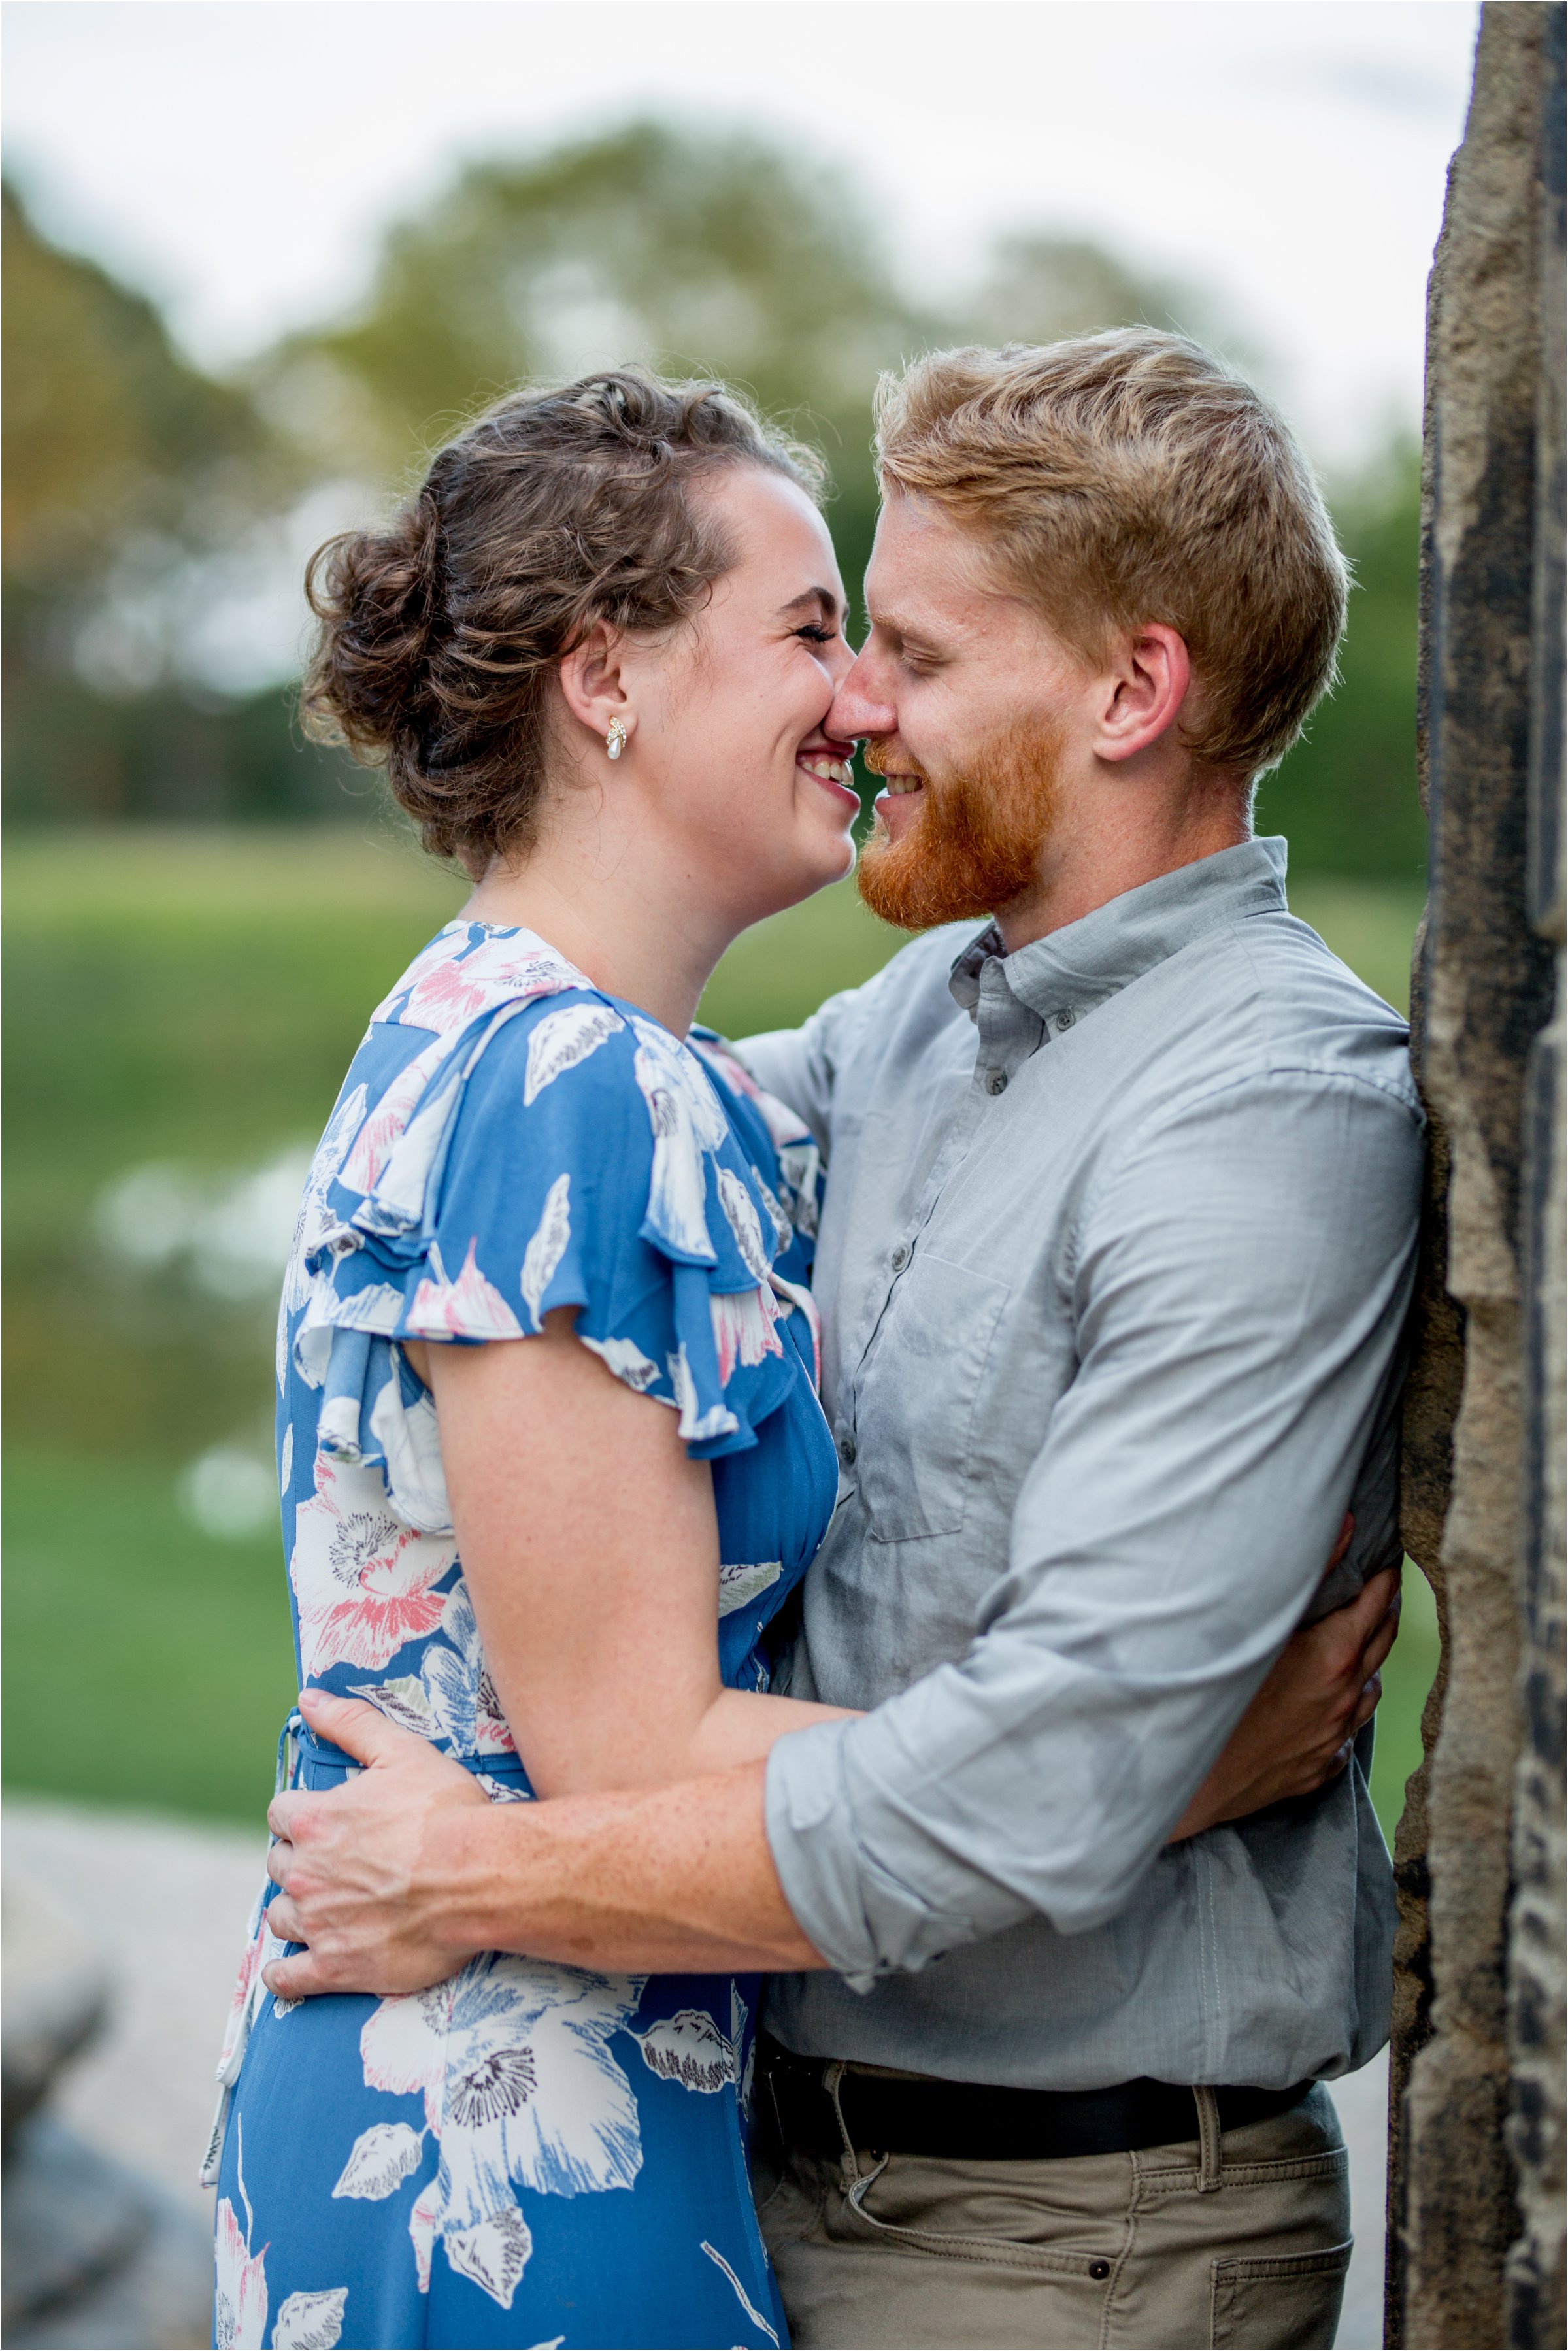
x: 526, y: 2154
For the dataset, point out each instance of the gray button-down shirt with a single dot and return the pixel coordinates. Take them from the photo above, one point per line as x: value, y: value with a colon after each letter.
x: 1117, y: 1247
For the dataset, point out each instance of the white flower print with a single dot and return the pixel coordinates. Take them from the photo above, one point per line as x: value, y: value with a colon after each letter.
x: 800, y: 1165
x: 380, y: 2160
x: 239, y: 2311
x: 548, y: 1247
x: 688, y: 1121
x: 403, y: 1699
x: 743, y: 1329
x: 739, y: 2016
x: 740, y: 1213
x: 315, y: 1218
x: 518, y: 2083
x: 561, y: 1040
x: 737, y: 1586
x: 468, y: 1308
x: 310, y: 2322
x: 750, y: 2307
x: 696, y: 1428
x: 415, y: 1473
x: 625, y: 1359
x: 362, y: 1577
x: 458, y: 1683
x: 396, y: 1200
x: 690, y: 2049
x: 362, y: 1168
x: 495, y: 2254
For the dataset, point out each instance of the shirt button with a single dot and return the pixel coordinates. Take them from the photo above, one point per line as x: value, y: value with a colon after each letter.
x: 847, y: 1451
x: 899, y: 1259
x: 1065, y: 1019
x: 996, y: 1082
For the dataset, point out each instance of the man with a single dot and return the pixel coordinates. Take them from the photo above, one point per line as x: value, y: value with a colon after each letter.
x: 1115, y: 1257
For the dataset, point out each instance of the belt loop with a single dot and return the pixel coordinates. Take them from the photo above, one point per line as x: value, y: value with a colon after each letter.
x: 1208, y: 2137
x: 857, y: 2183
x: 833, y: 2075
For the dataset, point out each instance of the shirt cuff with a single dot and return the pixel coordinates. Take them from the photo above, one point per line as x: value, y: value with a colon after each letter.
x: 865, y: 1920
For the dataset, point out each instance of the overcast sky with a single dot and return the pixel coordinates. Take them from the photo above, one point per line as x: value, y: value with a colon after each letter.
x: 237, y: 158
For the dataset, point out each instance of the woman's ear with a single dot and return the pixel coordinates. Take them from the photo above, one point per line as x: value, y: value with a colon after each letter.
x: 1146, y: 688
x: 593, y: 686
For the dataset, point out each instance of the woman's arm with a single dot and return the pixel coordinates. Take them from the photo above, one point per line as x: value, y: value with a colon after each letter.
x: 589, y: 1547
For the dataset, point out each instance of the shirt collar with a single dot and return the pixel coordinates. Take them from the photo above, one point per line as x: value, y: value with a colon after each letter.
x: 1067, y: 973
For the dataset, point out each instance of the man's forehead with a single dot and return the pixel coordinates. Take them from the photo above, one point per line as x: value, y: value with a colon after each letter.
x: 926, y: 569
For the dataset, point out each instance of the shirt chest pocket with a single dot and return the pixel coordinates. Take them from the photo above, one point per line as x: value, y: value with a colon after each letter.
x: 916, y: 1398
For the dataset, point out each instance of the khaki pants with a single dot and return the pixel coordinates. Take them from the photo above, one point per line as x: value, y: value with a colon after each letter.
x: 1240, y: 2240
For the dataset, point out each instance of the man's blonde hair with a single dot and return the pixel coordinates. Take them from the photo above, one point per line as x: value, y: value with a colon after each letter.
x: 1128, y: 477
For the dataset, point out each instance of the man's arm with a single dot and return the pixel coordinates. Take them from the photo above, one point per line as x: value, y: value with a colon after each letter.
x: 396, y: 1878
x: 1242, y: 1276
x: 399, y: 1876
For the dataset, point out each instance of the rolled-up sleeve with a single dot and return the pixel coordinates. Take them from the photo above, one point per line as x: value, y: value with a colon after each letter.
x: 1240, y: 1279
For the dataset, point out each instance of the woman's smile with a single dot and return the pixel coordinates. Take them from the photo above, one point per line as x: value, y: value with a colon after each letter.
x: 829, y: 765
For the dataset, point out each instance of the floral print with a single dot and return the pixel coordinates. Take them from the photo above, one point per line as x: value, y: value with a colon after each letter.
x: 526, y: 2153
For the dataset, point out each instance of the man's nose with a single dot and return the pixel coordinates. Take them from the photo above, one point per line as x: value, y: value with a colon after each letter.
x: 856, y: 710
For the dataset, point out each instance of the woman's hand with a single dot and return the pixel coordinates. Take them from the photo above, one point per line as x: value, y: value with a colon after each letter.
x: 1298, y: 1732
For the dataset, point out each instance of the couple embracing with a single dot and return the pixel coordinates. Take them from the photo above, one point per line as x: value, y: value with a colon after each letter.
x: 839, y: 1578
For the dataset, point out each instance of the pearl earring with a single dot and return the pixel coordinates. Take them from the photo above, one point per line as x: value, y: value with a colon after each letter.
x: 616, y: 738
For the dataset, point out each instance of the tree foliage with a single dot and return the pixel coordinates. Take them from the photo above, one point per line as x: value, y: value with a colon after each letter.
x: 698, y: 254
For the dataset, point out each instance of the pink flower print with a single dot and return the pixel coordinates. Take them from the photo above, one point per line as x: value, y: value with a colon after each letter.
x: 239, y: 1998
x: 362, y: 1577
x: 381, y: 1130
x: 240, y: 2307
x: 784, y: 1125
x: 450, y: 992
x: 743, y: 1329
x: 468, y: 1308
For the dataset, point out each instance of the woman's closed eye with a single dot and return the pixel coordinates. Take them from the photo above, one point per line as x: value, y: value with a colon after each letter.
x: 815, y: 635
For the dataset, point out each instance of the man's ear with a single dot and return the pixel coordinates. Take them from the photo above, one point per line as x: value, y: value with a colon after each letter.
x: 1146, y: 686
x: 592, y: 684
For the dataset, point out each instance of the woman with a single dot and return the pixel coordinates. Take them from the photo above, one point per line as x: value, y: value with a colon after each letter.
x: 597, y: 653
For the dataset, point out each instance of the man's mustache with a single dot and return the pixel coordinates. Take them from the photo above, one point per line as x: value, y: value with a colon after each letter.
x: 883, y: 758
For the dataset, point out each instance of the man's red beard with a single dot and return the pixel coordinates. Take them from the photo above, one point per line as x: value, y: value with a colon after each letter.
x: 975, y: 844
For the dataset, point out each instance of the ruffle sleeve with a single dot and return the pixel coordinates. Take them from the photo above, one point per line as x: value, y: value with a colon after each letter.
x: 562, y: 1150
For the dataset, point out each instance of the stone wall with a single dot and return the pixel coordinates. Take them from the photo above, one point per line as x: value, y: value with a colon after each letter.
x: 1476, y: 2201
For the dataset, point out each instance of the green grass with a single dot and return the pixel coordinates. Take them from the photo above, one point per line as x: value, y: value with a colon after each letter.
x: 196, y: 997
x: 145, y: 1663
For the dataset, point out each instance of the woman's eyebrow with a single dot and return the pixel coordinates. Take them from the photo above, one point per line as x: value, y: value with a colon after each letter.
x: 824, y: 597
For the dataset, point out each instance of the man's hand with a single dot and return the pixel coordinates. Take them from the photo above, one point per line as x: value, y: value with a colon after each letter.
x: 1299, y: 1730
x: 397, y: 1878
x: 365, y: 1869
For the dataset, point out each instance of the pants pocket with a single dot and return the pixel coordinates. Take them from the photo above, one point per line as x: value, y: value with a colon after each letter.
x: 1276, y: 2303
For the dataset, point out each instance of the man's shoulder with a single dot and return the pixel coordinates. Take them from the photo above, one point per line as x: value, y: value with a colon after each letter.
x: 916, y: 979
x: 1281, y: 1002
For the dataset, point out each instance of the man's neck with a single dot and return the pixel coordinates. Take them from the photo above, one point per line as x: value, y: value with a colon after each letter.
x: 1083, y: 870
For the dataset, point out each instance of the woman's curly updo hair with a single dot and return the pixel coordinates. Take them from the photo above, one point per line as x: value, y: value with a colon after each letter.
x: 555, y: 510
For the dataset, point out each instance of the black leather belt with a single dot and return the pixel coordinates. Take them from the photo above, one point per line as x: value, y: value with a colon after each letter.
x: 972, y: 2122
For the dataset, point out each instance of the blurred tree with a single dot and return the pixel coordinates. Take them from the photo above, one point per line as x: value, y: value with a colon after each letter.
x: 126, y: 469
x: 1037, y: 288
x: 696, y: 253
x: 1346, y: 796
x: 692, y: 254
x: 108, y: 432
